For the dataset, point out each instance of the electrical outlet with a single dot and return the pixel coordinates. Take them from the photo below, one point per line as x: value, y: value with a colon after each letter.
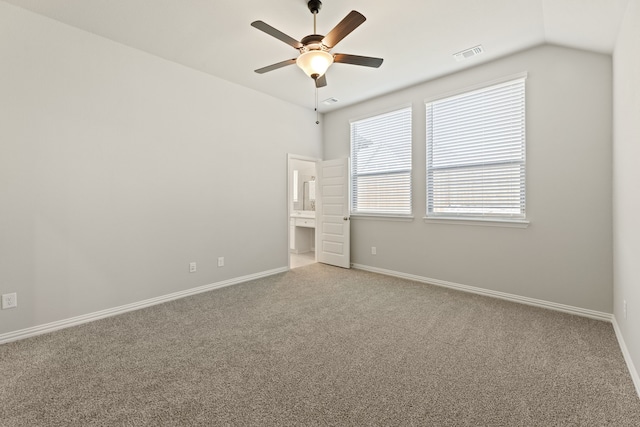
x: 220, y: 261
x: 192, y: 267
x: 374, y: 251
x: 624, y: 308
x: 9, y: 300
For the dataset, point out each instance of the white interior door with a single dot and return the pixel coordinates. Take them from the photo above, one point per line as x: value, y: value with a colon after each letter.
x: 333, y: 236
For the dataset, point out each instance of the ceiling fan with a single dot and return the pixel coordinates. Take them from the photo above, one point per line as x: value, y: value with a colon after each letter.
x: 315, y: 49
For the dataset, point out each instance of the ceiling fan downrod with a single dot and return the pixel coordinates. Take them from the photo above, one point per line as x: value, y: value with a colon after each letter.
x: 314, y: 7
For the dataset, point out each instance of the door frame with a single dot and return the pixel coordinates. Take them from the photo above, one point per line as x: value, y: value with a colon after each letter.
x: 290, y: 157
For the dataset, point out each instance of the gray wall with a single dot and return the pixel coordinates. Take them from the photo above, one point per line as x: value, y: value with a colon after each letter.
x: 565, y: 255
x: 626, y: 179
x: 118, y: 168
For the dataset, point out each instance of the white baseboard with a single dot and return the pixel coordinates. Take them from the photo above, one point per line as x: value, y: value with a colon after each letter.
x: 627, y: 356
x: 495, y: 294
x: 85, y: 318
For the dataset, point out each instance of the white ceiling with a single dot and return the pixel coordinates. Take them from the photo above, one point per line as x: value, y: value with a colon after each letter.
x: 416, y: 38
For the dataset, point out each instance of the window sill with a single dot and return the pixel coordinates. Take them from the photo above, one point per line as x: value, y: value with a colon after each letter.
x: 509, y: 223
x: 382, y: 217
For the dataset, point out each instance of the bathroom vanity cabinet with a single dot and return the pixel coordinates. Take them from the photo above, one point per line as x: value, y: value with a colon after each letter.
x: 302, y: 229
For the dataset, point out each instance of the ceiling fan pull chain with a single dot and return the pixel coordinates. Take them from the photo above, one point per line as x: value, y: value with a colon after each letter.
x: 317, y: 114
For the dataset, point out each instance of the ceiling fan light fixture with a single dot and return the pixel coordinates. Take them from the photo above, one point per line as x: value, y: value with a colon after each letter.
x: 315, y: 63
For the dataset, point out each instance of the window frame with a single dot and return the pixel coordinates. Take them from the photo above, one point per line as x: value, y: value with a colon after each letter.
x: 483, y: 218
x: 381, y: 213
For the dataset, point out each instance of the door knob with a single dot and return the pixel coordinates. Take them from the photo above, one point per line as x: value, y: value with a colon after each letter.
x: 346, y: 218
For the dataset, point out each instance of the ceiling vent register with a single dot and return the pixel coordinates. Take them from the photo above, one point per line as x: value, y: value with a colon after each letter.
x: 468, y: 53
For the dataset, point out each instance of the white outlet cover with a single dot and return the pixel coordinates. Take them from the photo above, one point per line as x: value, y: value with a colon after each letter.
x: 9, y: 300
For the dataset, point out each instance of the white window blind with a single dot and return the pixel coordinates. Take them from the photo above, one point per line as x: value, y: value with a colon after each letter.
x: 381, y: 164
x: 476, y: 153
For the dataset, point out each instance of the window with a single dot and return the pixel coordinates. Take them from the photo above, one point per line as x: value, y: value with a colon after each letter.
x: 381, y: 164
x: 476, y: 153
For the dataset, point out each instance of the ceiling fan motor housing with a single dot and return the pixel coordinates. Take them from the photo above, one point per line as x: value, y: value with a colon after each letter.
x: 312, y: 42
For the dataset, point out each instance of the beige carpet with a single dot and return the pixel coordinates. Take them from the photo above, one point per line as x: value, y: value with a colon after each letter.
x: 323, y: 346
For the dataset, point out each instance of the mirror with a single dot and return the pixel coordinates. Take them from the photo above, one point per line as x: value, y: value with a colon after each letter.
x: 304, y: 192
x: 309, y: 195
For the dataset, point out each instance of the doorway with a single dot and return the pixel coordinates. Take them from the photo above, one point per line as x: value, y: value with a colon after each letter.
x: 301, y: 210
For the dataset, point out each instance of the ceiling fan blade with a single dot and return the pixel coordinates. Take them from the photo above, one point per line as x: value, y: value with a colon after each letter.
x: 366, y: 61
x: 275, y: 66
x: 321, y: 81
x: 344, y: 27
x: 277, y: 34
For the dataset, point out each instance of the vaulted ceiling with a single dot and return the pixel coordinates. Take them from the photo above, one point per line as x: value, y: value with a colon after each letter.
x: 416, y: 38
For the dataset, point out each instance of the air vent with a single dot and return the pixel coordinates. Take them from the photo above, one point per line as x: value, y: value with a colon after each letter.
x: 468, y: 53
x: 330, y: 101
